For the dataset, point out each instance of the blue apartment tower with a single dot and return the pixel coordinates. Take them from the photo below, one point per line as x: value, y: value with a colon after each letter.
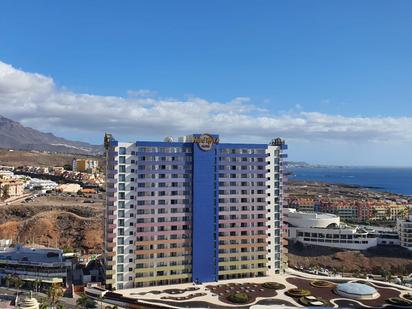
x: 194, y: 209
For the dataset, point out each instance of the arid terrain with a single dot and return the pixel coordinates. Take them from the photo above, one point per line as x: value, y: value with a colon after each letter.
x: 58, y: 221
x: 41, y: 159
x: 394, y: 259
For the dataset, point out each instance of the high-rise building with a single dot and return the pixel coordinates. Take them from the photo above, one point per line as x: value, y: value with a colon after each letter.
x: 404, y: 229
x: 192, y: 210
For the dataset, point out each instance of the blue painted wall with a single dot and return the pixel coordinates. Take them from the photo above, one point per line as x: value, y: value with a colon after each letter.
x: 205, y: 188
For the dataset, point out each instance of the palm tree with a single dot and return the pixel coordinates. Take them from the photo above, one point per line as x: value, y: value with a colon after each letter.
x: 53, y: 294
x: 36, y: 285
x: 8, y: 280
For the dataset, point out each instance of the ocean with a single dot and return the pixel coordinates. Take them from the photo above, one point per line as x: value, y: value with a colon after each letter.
x: 395, y: 180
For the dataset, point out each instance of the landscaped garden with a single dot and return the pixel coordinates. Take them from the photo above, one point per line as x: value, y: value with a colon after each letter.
x: 190, y: 296
x: 322, y: 284
x: 397, y: 301
x: 168, y: 291
x: 273, y: 285
x: 297, y: 293
x: 239, y: 298
x: 244, y: 293
x: 408, y: 296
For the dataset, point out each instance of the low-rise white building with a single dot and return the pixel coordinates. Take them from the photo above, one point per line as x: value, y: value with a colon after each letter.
x: 326, y: 230
x: 69, y: 188
x: 41, y: 184
x: 11, y: 188
x: 45, y: 264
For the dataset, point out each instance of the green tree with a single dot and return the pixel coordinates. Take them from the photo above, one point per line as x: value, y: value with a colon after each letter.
x: 85, y: 302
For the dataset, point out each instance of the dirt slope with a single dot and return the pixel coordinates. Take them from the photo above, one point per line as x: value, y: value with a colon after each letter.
x: 394, y: 259
x: 21, y: 158
x: 79, y: 227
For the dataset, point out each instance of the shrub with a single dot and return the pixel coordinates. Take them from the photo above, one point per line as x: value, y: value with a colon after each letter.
x: 239, y: 298
x: 273, y: 285
x: 398, y: 301
x: 322, y: 284
x: 408, y: 296
x: 298, y: 292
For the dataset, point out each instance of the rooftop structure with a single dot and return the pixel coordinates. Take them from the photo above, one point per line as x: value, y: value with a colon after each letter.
x: 311, y: 219
x: 357, y: 291
x: 193, y: 210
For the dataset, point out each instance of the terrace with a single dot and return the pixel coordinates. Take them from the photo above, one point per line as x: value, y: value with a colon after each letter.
x: 290, y: 290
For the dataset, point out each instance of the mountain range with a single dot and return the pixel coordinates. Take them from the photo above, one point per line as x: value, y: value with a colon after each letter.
x: 15, y: 136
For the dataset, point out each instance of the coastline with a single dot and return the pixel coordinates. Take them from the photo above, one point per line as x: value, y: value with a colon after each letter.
x: 397, y: 181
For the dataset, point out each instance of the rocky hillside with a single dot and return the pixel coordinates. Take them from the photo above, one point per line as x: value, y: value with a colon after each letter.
x: 13, y: 135
x: 79, y: 227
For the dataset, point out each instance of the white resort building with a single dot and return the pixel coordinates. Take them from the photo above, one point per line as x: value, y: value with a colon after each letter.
x: 404, y: 228
x: 323, y: 229
x: 45, y: 264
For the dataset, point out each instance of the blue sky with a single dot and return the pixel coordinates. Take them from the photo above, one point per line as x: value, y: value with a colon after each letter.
x: 349, y: 59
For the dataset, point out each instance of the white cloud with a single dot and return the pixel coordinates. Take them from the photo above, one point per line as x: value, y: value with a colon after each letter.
x: 36, y: 101
x: 141, y: 93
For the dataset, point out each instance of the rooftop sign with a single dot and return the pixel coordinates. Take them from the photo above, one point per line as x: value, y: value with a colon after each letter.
x: 206, y: 141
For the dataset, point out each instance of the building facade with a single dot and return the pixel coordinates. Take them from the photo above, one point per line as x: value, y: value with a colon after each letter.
x: 84, y: 165
x: 11, y: 188
x: 404, y: 228
x: 361, y: 211
x: 193, y: 210
x: 45, y: 264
